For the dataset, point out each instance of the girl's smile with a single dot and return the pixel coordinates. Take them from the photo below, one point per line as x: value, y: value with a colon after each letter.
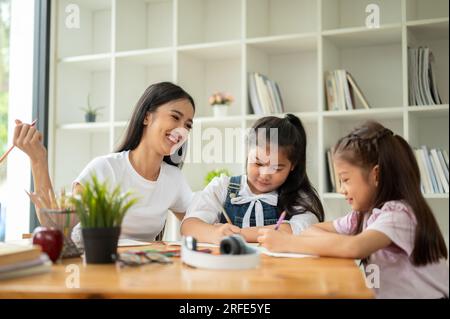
x: 357, y: 185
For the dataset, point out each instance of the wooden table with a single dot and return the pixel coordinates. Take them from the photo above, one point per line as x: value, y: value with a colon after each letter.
x: 275, y: 278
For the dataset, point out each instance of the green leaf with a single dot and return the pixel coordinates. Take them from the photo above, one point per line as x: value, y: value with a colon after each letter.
x: 98, y: 207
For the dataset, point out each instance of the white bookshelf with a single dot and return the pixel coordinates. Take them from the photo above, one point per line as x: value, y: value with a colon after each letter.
x: 122, y: 46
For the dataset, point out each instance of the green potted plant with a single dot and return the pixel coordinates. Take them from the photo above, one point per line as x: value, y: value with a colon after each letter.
x: 101, y: 212
x: 90, y: 112
x: 220, y: 102
x: 217, y: 172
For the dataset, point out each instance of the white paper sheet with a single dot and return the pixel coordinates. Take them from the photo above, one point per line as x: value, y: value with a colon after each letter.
x: 267, y: 252
x: 125, y: 242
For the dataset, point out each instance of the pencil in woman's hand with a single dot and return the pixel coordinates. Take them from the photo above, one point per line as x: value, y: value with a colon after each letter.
x: 12, y: 146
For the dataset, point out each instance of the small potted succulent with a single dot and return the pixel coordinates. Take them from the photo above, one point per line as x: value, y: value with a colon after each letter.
x: 90, y: 112
x: 101, y: 212
x: 220, y: 102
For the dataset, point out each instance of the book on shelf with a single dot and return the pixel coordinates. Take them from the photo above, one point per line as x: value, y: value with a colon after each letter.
x: 434, y: 171
x: 341, y: 88
x: 264, y: 95
x: 18, y: 261
x: 423, y: 89
x: 333, y: 178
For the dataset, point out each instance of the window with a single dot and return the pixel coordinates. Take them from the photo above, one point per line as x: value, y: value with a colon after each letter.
x: 5, y: 25
x: 18, y: 24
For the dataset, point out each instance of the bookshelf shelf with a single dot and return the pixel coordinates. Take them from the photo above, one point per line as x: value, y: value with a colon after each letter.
x: 435, y: 36
x: 370, y: 66
x: 211, y: 51
x: 292, y: 68
x: 199, y: 21
x: 421, y: 9
x: 439, y: 22
x: 142, y: 24
x: 361, y: 36
x: 285, y: 44
x: 429, y: 111
x: 379, y: 114
x: 430, y: 31
x: 280, y: 17
x: 436, y: 196
x: 212, y: 45
x: 144, y: 52
x: 341, y: 14
x: 217, y: 120
x: 92, y: 59
x: 93, y: 33
x: 86, y: 127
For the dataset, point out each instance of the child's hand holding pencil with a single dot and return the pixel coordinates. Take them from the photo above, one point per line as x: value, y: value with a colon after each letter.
x: 273, y: 240
x: 223, y: 230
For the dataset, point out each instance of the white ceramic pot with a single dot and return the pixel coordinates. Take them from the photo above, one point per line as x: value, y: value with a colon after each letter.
x: 220, y: 110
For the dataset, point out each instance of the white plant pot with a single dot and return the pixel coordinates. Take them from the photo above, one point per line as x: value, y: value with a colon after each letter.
x: 220, y: 110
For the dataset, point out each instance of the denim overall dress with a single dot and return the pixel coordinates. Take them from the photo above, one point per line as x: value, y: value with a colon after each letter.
x: 236, y: 212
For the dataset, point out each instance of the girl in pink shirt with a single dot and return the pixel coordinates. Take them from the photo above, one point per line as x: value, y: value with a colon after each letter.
x: 391, y: 227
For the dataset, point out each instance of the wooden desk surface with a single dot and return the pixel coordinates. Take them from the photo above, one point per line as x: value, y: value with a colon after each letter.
x: 275, y: 278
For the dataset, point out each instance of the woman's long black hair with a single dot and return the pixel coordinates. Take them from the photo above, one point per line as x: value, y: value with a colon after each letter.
x: 296, y: 195
x: 153, y: 97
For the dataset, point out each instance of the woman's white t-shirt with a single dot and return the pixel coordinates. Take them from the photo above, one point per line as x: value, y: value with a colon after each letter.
x: 145, y: 220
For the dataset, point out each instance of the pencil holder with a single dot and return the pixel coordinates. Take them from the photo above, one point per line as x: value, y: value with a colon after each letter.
x: 63, y: 220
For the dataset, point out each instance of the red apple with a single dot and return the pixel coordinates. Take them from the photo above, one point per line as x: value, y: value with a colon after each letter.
x: 51, y: 241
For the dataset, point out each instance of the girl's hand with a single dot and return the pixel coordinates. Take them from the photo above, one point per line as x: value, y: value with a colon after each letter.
x: 274, y: 240
x: 29, y: 140
x: 223, y: 230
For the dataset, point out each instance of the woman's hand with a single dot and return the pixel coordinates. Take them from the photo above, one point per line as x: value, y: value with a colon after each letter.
x: 223, y: 230
x: 274, y: 240
x: 28, y: 139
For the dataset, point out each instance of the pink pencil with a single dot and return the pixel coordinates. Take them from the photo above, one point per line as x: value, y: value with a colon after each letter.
x: 12, y: 147
x: 280, y: 220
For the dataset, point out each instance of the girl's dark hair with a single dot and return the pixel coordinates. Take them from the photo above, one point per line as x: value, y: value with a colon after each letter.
x: 153, y: 97
x: 399, y: 179
x: 296, y: 195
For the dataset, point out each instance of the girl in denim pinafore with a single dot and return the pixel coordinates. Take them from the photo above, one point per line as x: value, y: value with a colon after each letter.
x: 245, y: 211
x: 272, y: 184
